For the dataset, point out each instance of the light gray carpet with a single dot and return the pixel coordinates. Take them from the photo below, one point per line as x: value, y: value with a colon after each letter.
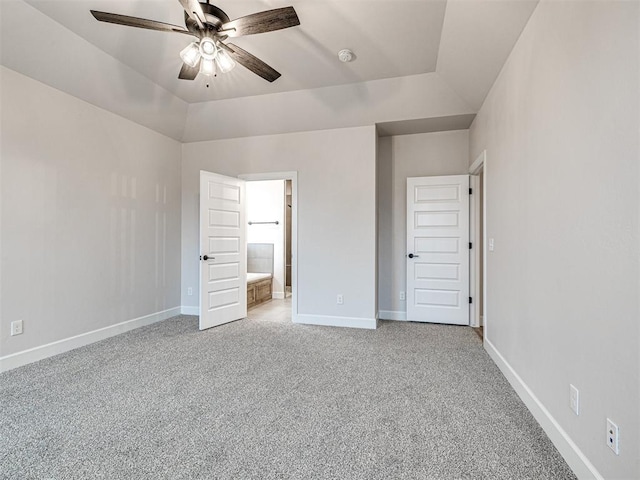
x: 264, y: 398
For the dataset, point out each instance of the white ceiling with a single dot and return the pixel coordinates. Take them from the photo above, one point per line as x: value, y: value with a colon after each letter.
x: 391, y: 38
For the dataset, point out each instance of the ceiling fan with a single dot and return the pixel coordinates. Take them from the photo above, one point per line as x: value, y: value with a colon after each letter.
x: 210, y: 25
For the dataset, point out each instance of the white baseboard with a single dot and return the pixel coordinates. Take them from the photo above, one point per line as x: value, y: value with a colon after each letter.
x: 392, y: 315
x: 31, y: 355
x: 277, y: 295
x: 574, y: 457
x: 330, y: 321
x: 190, y: 311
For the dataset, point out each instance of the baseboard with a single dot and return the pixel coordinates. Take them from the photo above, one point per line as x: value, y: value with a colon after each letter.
x: 190, y: 311
x: 277, y: 295
x: 330, y: 321
x: 574, y: 457
x: 392, y: 315
x: 31, y: 355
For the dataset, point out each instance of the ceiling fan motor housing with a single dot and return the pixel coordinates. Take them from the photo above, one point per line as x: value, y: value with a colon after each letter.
x: 214, y: 18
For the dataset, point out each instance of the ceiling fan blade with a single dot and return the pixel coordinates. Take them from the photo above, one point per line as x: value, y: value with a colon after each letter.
x: 189, y: 73
x: 251, y: 62
x: 194, y: 10
x: 262, y: 22
x: 138, y: 22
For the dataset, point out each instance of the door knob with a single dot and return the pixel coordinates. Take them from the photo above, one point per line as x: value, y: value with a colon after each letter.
x: 411, y: 255
x: 206, y: 257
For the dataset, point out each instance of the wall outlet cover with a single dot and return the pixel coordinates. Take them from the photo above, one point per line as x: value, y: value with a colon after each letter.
x: 16, y: 327
x: 574, y: 399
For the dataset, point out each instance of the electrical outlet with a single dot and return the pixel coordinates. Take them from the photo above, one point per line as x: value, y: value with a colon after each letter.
x: 402, y: 296
x: 574, y: 396
x: 612, y: 436
x: 16, y: 327
x: 491, y: 244
x: 189, y: 291
x: 340, y: 299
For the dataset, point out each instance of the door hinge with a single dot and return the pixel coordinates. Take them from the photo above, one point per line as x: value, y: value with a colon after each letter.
x: 470, y: 300
x: 470, y: 245
x: 470, y: 191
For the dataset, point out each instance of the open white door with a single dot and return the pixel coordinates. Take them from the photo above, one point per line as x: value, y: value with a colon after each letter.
x: 223, y: 250
x: 438, y: 249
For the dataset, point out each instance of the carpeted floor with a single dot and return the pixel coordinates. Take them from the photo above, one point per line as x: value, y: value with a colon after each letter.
x: 264, y: 398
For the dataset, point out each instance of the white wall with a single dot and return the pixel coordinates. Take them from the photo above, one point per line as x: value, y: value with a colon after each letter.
x: 265, y: 203
x: 560, y: 127
x: 400, y: 157
x: 336, y: 214
x: 90, y: 216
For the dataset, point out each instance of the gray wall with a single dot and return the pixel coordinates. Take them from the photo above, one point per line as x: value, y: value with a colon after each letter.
x: 560, y: 128
x: 340, y: 106
x: 399, y: 157
x: 90, y: 216
x: 336, y: 212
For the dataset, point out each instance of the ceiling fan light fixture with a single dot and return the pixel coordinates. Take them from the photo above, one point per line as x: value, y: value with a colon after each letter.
x: 191, y: 54
x: 207, y: 67
x: 208, y: 48
x: 224, y: 61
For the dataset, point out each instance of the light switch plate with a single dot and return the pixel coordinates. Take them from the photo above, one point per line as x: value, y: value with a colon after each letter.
x: 612, y: 436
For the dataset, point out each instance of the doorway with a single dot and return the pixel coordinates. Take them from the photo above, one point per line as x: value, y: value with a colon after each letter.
x: 266, y: 226
x: 284, y: 235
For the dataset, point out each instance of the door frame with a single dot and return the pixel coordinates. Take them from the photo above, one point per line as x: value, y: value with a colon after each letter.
x: 293, y: 176
x: 476, y: 211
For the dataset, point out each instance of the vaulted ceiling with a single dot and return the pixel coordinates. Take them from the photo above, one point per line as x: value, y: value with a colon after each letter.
x: 133, y: 72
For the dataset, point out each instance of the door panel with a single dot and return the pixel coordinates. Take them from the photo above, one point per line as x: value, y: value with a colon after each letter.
x: 223, y: 278
x: 437, y: 239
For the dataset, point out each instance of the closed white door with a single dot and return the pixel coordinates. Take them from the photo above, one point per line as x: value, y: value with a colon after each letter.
x: 438, y: 249
x: 223, y: 250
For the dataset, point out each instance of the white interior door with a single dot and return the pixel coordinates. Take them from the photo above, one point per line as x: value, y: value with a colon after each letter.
x: 438, y: 249
x: 223, y: 250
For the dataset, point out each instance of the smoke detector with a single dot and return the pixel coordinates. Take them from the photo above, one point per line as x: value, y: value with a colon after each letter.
x: 346, y: 55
